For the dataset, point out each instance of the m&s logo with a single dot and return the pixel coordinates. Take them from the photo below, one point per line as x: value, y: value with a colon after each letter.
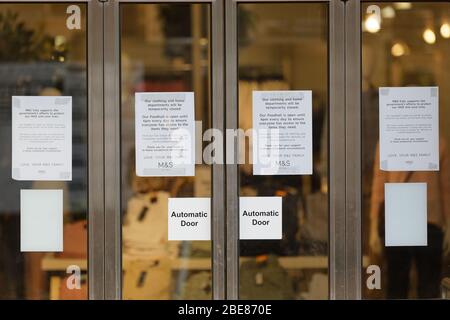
x: 283, y: 163
x: 165, y: 164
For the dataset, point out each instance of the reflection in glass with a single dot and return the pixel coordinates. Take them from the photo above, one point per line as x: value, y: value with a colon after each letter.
x: 407, y: 50
x: 165, y: 48
x: 39, y: 56
x: 284, y: 47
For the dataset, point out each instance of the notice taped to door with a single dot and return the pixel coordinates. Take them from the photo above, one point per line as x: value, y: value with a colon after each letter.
x: 409, y: 129
x: 165, y: 134
x: 189, y: 219
x: 282, y: 133
x: 41, y: 138
x: 41, y: 220
x: 260, y: 218
x: 405, y: 214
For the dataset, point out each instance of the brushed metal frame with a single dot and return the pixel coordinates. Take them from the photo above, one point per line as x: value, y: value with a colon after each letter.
x: 353, y: 240
x: 112, y: 146
x: 232, y: 172
x: 337, y: 178
x: 218, y: 170
x: 96, y: 225
x: 337, y: 156
x: 113, y: 210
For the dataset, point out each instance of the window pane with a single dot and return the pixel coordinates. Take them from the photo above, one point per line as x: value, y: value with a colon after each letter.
x: 285, y: 47
x: 41, y: 56
x: 406, y: 45
x: 164, y: 48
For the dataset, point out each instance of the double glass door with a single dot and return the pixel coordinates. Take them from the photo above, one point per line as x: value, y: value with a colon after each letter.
x: 97, y: 201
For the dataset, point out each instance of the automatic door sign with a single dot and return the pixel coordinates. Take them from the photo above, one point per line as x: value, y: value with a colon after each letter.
x: 260, y: 218
x: 189, y: 219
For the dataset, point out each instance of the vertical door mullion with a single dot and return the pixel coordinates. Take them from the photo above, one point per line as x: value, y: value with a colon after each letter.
x: 218, y: 169
x: 232, y: 175
x: 113, y: 244
x: 353, y: 150
x: 337, y: 155
x: 96, y: 262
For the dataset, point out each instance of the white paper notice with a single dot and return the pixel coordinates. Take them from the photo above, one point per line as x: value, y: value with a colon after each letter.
x: 282, y: 132
x: 189, y: 219
x: 165, y: 134
x: 409, y: 129
x: 41, y: 220
x: 405, y: 214
x: 42, y: 138
x: 260, y: 218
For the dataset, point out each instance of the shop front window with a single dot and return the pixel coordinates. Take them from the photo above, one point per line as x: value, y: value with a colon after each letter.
x: 283, y: 55
x: 165, y: 56
x: 405, y: 136
x: 43, y: 158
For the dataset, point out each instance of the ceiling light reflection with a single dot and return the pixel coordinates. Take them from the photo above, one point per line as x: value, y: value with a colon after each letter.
x: 372, y: 24
x: 445, y: 30
x: 429, y: 36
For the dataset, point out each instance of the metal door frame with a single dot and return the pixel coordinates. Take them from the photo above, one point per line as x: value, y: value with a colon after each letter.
x: 353, y: 240
x: 225, y: 222
x: 345, y: 245
x: 344, y: 222
x: 96, y: 209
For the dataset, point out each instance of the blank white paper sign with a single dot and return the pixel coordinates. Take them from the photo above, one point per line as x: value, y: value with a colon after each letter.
x: 405, y: 214
x: 41, y: 220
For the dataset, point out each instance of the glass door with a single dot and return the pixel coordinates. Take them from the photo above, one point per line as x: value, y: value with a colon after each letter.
x: 48, y: 166
x: 167, y: 116
x: 182, y: 184
x: 286, y: 182
x: 405, y: 50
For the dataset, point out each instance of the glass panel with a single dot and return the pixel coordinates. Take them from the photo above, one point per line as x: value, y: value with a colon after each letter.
x: 164, y: 48
x: 405, y: 45
x: 285, y: 47
x: 41, y: 56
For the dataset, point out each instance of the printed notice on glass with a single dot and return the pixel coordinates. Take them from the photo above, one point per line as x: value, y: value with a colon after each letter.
x: 260, y: 218
x: 165, y: 134
x: 42, y: 138
x: 409, y: 129
x: 189, y: 219
x: 282, y: 132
